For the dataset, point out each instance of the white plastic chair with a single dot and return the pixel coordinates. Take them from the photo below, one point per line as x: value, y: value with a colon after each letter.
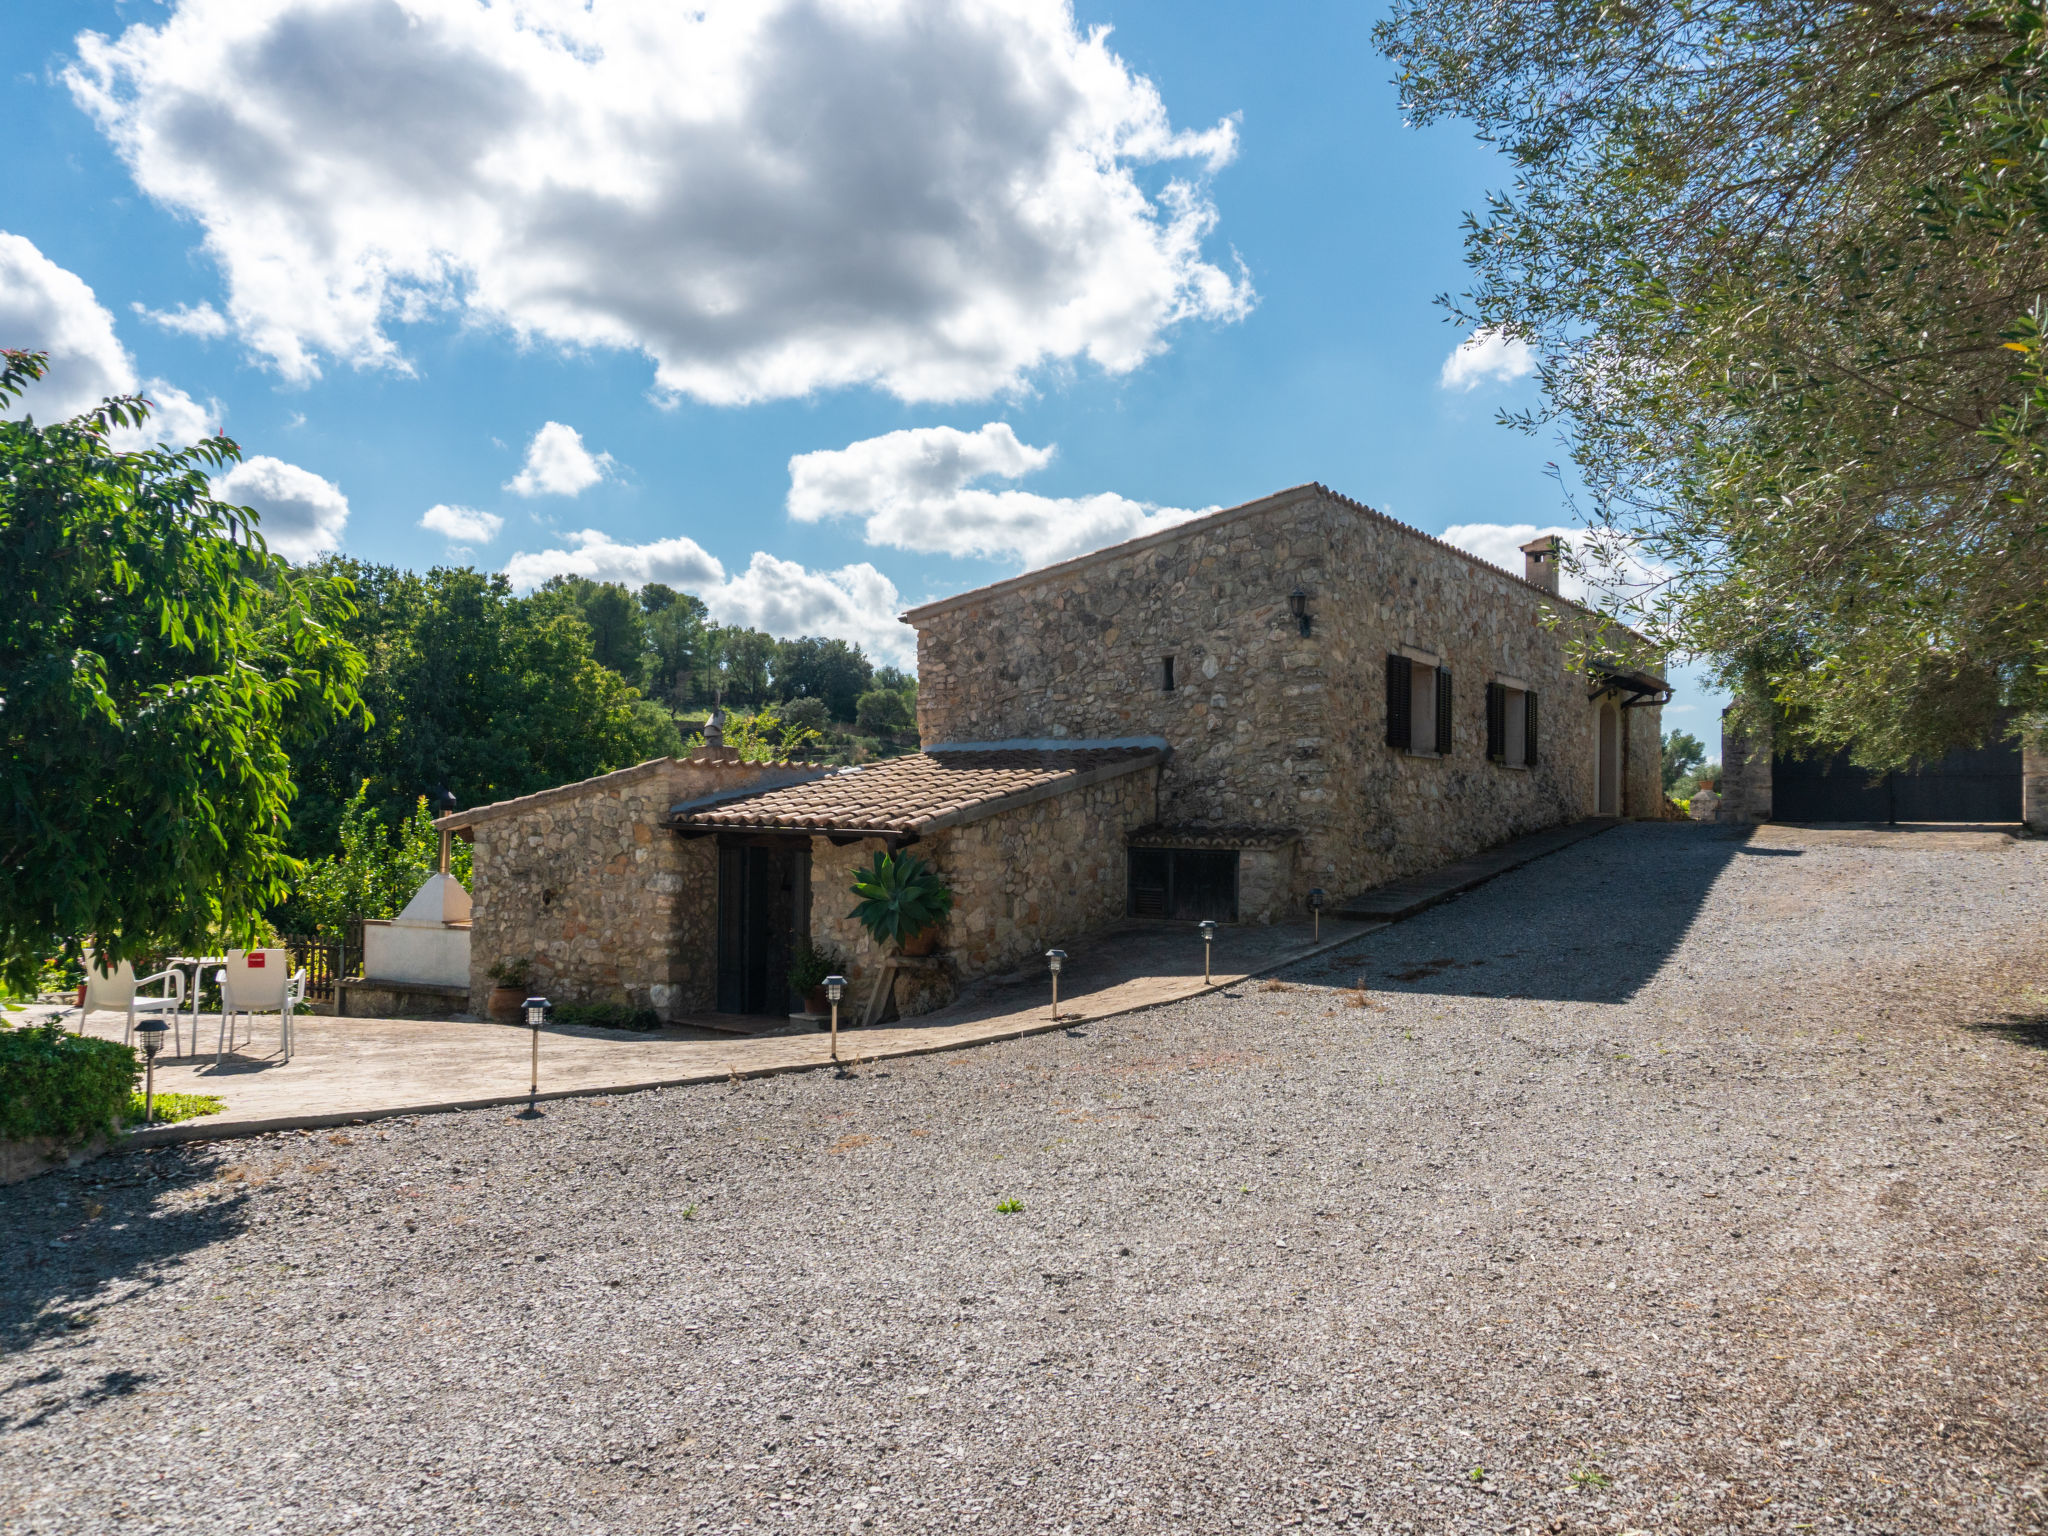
x: 258, y: 981
x: 120, y: 990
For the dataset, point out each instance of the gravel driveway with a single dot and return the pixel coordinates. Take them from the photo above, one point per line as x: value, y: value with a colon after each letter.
x: 1676, y: 1183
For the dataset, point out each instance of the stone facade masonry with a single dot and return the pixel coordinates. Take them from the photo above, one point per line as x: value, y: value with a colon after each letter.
x: 1021, y: 880
x: 609, y: 905
x: 1268, y: 727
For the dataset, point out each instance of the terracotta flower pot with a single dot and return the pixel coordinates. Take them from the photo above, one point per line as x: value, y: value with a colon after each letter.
x: 816, y: 1002
x: 923, y: 942
x: 506, y: 1003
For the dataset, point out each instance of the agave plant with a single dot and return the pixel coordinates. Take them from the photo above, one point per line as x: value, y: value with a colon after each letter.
x: 901, y: 896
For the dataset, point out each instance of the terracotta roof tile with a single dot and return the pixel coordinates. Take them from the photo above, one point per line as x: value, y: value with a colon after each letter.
x: 909, y: 796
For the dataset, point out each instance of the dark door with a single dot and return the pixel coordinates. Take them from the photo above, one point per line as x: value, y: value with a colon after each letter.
x: 1185, y: 883
x: 763, y: 904
x: 1981, y: 784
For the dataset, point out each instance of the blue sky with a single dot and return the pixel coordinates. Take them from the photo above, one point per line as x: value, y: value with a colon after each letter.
x: 436, y: 232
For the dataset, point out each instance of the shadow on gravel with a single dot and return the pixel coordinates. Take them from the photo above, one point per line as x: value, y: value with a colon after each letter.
x: 2019, y: 1028
x: 106, y: 1234
x: 1591, y: 924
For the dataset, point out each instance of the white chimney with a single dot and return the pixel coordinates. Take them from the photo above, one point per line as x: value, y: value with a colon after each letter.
x: 1539, y: 562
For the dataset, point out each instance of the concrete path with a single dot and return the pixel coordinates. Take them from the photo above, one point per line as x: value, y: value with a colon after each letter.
x: 347, y: 1069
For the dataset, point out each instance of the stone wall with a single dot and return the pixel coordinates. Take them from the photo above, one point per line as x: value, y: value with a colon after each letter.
x: 586, y: 882
x: 1271, y: 728
x: 1745, y: 772
x: 1022, y: 880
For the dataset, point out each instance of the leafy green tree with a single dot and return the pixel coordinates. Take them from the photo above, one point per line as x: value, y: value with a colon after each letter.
x: 374, y: 873
x: 1683, y: 752
x: 474, y: 692
x: 1783, y: 270
x: 678, y: 647
x: 741, y: 663
x: 612, y: 614
x: 812, y: 667
x: 885, y: 712
x: 158, y: 667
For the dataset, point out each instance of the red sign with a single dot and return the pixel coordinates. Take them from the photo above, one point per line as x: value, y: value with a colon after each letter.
x: 256, y: 958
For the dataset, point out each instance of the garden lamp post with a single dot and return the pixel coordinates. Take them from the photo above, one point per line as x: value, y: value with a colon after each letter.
x: 1055, y: 958
x: 1315, y: 905
x: 536, y: 1015
x: 1208, y: 948
x: 835, y: 989
x: 152, y: 1032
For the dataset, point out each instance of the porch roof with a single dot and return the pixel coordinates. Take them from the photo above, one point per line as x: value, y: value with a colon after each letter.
x: 906, y: 797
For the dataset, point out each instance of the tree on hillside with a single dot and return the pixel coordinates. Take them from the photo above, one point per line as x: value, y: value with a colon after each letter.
x: 473, y: 691
x: 1683, y: 752
x: 741, y: 664
x: 158, y: 667
x: 812, y: 667
x: 678, y: 648
x: 1783, y: 269
x: 612, y: 614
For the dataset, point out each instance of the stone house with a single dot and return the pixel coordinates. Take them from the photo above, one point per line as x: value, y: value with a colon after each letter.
x: 1205, y: 722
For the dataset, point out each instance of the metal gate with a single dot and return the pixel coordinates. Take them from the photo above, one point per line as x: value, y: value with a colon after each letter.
x: 1978, y: 784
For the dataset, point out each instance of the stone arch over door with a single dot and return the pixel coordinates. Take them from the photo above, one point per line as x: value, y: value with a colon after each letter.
x: 1607, y: 795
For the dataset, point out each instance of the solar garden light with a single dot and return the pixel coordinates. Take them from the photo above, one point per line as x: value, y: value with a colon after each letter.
x: 1208, y: 948
x: 835, y: 988
x: 152, y: 1032
x: 536, y: 1015
x: 1055, y: 958
x: 1315, y: 905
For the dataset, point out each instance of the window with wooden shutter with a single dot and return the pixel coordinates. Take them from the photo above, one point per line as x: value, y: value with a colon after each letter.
x: 1443, y: 711
x: 1496, y: 722
x: 1400, y: 673
x: 1529, y: 729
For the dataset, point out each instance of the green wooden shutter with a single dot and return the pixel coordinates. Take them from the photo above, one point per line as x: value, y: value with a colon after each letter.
x: 1496, y: 722
x: 1443, y: 711
x: 1529, y: 730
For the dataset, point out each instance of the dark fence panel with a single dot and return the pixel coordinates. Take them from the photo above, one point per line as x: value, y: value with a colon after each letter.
x: 324, y: 960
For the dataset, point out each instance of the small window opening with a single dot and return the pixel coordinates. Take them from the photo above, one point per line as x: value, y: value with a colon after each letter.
x: 1166, y: 674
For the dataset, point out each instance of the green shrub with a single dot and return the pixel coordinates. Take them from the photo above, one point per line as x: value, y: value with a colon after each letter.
x: 169, y: 1108
x: 607, y: 1016
x: 67, y: 1086
x: 810, y: 964
x: 901, y: 896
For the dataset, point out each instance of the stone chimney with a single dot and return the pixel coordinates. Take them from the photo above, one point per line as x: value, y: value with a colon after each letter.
x: 714, y: 749
x: 1539, y: 562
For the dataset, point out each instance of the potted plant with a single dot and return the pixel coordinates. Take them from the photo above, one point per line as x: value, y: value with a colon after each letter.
x: 514, y: 980
x: 809, y: 965
x: 903, y: 901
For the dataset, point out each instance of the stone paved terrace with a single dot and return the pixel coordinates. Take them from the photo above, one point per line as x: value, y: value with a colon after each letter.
x: 345, y: 1069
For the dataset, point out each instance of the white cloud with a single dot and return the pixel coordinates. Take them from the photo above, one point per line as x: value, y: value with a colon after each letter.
x: 301, y: 514
x: 204, y: 322
x: 1501, y: 544
x: 1487, y: 355
x: 856, y: 603
x: 677, y: 562
x: 766, y: 197
x: 916, y: 490
x: 557, y: 464
x: 46, y: 308
x: 462, y: 525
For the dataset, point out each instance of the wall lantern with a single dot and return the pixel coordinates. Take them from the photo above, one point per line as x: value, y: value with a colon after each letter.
x: 1315, y: 905
x: 1208, y: 946
x: 1297, y: 602
x: 835, y: 988
x: 1055, y: 958
x: 151, y: 1032
x: 536, y: 1015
